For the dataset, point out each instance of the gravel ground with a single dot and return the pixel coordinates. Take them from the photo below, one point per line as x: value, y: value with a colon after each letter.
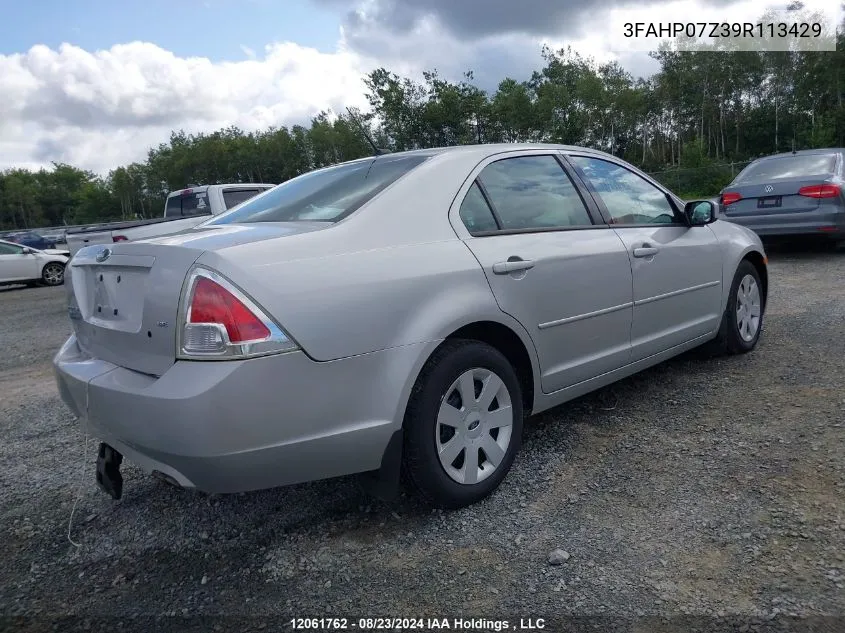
x: 702, y: 493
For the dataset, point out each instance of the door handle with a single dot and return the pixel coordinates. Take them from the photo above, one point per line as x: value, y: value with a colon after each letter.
x: 512, y: 266
x: 646, y: 251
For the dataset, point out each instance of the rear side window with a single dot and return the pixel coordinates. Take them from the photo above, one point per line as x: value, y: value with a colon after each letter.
x: 475, y: 212
x: 326, y: 195
x: 233, y: 197
x: 533, y: 192
x: 187, y: 204
x: 789, y: 167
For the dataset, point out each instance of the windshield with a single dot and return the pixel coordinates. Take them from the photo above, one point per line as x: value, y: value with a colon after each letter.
x: 324, y: 195
x: 789, y: 167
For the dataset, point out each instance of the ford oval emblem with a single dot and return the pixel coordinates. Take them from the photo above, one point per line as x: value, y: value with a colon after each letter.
x: 103, y: 255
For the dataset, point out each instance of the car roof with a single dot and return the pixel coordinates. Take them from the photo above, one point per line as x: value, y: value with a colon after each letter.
x: 805, y: 152
x: 489, y: 149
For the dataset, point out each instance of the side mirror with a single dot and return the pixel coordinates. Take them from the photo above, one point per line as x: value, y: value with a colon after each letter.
x: 27, y: 250
x: 700, y: 212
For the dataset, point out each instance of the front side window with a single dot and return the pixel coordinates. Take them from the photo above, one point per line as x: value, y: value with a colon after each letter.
x: 327, y: 195
x: 10, y: 249
x: 629, y: 198
x: 533, y: 192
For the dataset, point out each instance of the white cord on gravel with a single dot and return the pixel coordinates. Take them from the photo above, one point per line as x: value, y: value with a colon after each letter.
x: 79, y: 487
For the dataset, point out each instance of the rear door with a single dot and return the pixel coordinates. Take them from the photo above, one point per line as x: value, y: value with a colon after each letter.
x: 769, y: 196
x: 677, y: 269
x: 550, y: 265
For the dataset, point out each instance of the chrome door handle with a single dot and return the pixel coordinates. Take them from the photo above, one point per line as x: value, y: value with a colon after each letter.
x: 503, y: 268
x: 646, y: 251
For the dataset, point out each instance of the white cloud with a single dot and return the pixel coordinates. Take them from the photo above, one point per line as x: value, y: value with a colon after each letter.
x: 106, y: 108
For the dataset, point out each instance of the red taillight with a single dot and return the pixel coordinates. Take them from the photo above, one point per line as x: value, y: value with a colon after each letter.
x: 729, y: 197
x: 119, y: 238
x: 820, y: 191
x: 212, y: 303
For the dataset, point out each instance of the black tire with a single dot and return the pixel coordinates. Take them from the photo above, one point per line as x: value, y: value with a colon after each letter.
x: 48, y: 278
x: 729, y: 340
x: 421, y: 464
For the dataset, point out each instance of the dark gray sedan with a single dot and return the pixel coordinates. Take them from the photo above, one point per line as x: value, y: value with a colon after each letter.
x: 800, y: 193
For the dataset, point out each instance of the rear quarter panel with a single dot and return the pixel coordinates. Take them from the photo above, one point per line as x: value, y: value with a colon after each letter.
x: 354, y: 303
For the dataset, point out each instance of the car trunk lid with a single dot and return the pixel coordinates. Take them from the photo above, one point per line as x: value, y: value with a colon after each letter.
x: 776, y: 196
x: 124, y: 299
x: 124, y: 307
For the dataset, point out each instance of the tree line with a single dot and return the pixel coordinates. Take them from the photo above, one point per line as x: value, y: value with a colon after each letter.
x: 700, y: 113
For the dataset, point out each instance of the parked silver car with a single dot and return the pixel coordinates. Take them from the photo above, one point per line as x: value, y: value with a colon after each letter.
x: 398, y: 312
x: 800, y: 193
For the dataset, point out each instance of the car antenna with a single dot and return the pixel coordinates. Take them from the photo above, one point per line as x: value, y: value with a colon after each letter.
x: 377, y: 151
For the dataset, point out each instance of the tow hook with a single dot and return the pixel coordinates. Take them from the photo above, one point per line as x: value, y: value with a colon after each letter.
x: 109, y: 478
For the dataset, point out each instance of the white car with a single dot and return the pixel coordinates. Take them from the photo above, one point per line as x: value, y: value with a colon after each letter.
x: 24, y: 265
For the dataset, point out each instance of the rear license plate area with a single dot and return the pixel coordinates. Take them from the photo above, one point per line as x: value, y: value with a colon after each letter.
x: 769, y: 202
x: 117, y: 297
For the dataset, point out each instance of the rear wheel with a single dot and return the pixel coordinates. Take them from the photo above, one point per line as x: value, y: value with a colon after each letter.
x: 463, y: 426
x: 743, y: 318
x: 53, y: 274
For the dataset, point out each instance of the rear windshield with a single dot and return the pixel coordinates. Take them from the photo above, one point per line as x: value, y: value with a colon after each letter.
x: 789, y: 167
x: 324, y: 195
x: 187, y: 204
x: 233, y: 197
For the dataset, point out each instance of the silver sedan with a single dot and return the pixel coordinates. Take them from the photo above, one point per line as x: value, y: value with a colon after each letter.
x: 403, y: 312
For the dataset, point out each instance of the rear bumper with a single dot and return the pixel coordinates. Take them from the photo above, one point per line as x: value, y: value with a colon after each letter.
x: 823, y: 223
x: 235, y: 426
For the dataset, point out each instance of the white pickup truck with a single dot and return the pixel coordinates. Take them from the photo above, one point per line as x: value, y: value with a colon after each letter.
x: 183, y: 210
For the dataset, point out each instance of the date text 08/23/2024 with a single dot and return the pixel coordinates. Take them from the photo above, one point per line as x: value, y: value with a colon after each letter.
x: 475, y: 625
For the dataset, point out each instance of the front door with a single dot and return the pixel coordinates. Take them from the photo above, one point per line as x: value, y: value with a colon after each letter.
x: 677, y: 269
x: 565, y: 277
x: 14, y: 264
